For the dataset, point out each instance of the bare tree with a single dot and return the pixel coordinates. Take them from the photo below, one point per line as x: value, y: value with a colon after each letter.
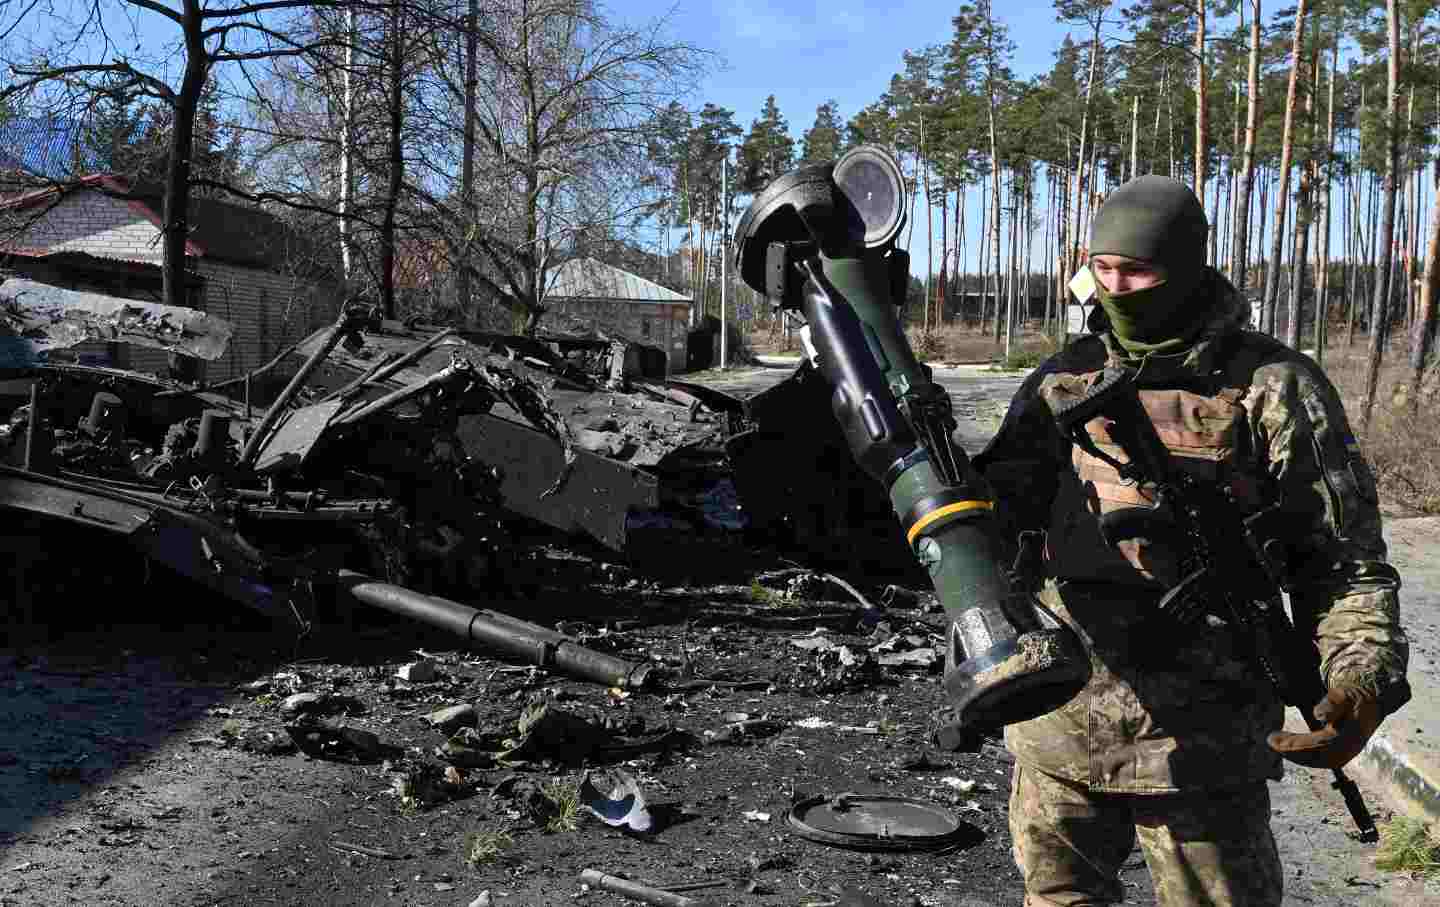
x: 561, y: 131
x: 208, y: 37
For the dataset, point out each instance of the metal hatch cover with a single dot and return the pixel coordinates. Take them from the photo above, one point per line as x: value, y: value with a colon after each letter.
x: 877, y: 822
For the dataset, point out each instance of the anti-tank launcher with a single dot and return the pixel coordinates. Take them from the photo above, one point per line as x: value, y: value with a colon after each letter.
x: 820, y: 242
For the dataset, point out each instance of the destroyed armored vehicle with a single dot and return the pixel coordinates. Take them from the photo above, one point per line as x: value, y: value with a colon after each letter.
x: 395, y: 450
x: 259, y: 505
x: 643, y: 463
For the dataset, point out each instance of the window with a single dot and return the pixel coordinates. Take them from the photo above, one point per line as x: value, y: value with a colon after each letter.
x: 644, y: 327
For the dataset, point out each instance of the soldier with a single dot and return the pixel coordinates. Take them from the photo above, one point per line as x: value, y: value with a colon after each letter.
x: 1177, y: 748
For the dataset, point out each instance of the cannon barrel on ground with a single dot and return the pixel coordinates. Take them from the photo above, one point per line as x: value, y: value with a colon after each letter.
x: 534, y: 643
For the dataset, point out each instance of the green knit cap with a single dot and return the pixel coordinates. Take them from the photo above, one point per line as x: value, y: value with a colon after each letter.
x: 1154, y: 218
x: 1159, y: 220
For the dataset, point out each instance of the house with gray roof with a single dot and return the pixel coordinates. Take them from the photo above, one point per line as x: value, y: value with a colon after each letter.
x: 608, y: 299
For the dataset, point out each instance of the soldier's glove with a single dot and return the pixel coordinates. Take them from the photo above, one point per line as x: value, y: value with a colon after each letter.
x: 1350, y: 717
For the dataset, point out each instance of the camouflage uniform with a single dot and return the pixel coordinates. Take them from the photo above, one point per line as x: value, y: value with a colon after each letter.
x: 1188, y: 723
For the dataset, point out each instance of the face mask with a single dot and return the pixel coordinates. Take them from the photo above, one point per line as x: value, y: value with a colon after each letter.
x: 1148, y: 316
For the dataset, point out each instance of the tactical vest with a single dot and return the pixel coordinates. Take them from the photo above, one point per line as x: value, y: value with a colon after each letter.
x: 1207, y: 437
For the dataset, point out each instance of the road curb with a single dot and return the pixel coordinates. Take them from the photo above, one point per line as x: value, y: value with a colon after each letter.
x: 1403, y: 780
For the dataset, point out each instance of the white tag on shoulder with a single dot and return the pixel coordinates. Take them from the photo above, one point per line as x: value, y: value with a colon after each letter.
x: 1083, y: 285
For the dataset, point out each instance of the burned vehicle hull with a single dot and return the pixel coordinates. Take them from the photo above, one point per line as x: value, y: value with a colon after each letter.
x: 593, y: 448
x: 359, y: 492
x: 642, y: 463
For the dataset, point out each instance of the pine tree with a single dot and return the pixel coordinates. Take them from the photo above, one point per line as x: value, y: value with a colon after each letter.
x: 768, y: 150
x: 822, y: 141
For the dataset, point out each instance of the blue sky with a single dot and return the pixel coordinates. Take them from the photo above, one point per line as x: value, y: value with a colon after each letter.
x: 808, y: 51
x: 803, y: 51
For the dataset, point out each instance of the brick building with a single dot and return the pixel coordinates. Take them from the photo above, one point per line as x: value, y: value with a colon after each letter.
x: 244, y: 265
x: 605, y: 298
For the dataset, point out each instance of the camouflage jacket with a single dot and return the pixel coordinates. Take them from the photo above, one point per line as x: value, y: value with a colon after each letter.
x: 1197, y: 718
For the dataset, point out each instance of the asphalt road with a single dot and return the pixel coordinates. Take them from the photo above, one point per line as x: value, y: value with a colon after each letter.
x: 978, y: 395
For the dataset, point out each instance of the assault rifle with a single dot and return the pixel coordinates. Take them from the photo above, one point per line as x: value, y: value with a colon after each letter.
x: 1232, y: 566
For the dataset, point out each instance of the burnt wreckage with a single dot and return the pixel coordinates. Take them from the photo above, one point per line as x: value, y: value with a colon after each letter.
x: 390, y: 456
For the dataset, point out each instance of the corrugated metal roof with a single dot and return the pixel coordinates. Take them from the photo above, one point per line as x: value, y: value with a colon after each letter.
x: 41, y: 146
x: 586, y: 278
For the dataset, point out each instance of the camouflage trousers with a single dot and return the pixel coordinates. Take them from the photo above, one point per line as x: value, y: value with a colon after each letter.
x: 1212, y: 848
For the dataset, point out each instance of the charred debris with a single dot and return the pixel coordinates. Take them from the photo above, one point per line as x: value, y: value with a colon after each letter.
x: 390, y: 462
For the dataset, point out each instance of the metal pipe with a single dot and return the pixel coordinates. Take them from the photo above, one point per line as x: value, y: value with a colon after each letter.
x: 511, y: 635
x: 635, y: 891
x: 360, y: 382
x: 412, y: 356
x: 32, y: 422
x: 342, y: 325
x: 366, y: 410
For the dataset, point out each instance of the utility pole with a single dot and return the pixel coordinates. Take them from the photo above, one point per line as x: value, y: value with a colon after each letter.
x: 724, y: 251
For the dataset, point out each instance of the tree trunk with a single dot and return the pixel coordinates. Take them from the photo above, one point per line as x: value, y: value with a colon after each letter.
x: 175, y: 235
x: 1240, y: 251
x: 1072, y: 263
x: 1159, y: 107
x: 1062, y: 227
x: 1261, y: 225
x: 960, y: 259
x: 347, y: 152
x: 994, y: 156
x: 1049, y: 278
x: 1013, y: 288
x: 1029, y: 232
x: 1202, y: 112
x: 1422, y: 334
x: 1349, y: 216
x: 944, y: 250
x: 1304, y: 215
x: 1170, y: 130
x: 924, y: 171
x: 396, y: 102
x: 1380, y: 309
x: 463, y: 301
x: 1215, y: 223
x: 1282, y: 196
x: 1413, y: 172
x: 983, y: 261
x: 1135, y: 136
x: 1232, y: 178
x: 1322, y: 292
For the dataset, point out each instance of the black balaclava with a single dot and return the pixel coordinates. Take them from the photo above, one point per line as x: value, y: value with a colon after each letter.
x: 1156, y: 219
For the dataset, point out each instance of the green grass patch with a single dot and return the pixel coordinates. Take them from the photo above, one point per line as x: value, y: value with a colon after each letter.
x: 1410, y: 846
x: 486, y: 845
x: 563, y: 798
